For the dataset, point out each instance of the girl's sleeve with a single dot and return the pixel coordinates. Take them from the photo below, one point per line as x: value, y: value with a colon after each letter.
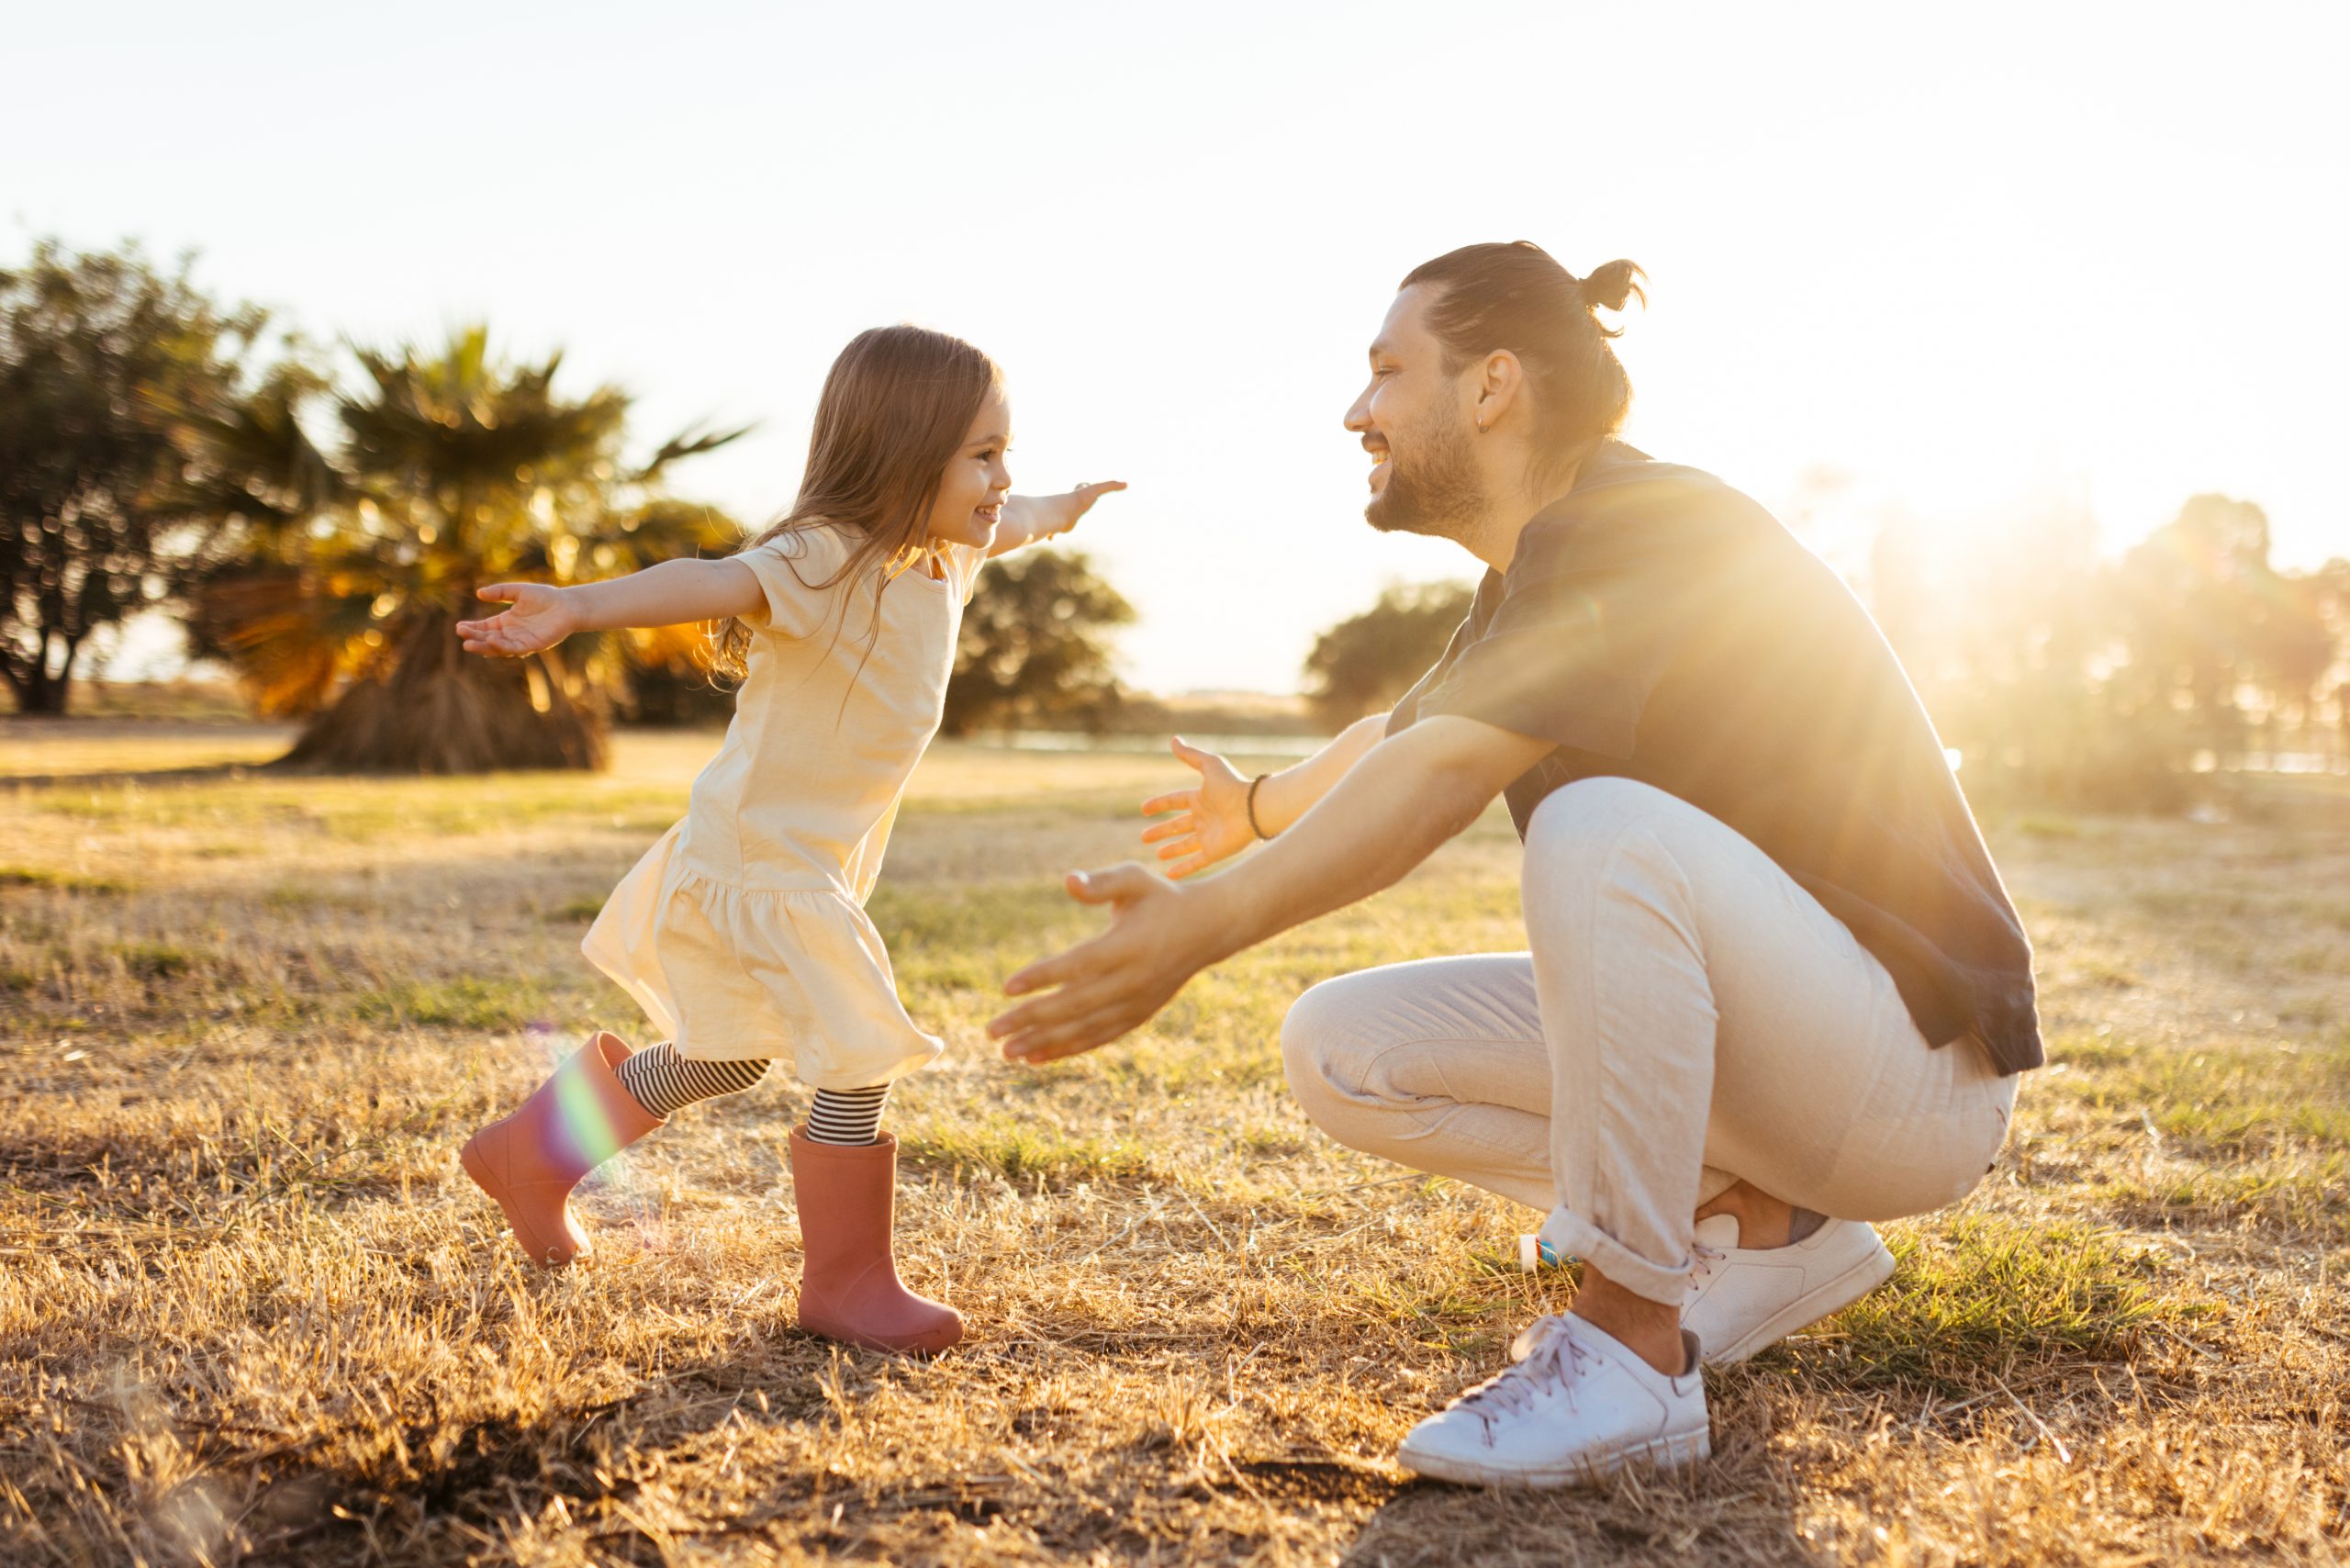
x: 968, y: 560
x: 792, y: 569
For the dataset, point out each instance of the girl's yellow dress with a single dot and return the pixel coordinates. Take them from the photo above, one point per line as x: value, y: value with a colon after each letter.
x: 743, y: 932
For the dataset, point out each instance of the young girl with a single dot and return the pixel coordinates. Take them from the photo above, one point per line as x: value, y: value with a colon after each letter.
x: 743, y: 933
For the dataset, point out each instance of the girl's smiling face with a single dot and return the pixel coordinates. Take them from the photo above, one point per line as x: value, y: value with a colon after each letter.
x: 971, y: 491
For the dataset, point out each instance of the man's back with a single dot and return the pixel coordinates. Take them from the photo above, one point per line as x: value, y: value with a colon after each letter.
x: 1662, y: 626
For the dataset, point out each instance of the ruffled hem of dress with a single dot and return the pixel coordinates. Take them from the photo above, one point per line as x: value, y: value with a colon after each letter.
x: 800, y: 972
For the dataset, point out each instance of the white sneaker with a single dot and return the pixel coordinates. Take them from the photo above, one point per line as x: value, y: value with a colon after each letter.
x: 1743, y: 1298
x: 1577, y: 1405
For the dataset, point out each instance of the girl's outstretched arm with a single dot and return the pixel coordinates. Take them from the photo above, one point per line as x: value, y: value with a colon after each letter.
x: 671, y: 594
x: 1027, y: 519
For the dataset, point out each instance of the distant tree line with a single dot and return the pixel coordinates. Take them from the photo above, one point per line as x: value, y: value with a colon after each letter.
x: 2058, y: 674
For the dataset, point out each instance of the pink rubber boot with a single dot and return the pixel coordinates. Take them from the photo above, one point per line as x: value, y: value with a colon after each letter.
x: 530, y: 1160
x: 846, y: 1195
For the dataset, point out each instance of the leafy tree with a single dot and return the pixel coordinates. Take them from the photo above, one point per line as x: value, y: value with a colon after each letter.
x: 2059, y: 676
x: 1367, y: 661
x: 97, y: 518
x: 453, y: 470
x: 1035, y: 646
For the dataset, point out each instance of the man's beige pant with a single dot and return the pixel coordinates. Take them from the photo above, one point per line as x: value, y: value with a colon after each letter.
x: 1687, y: 1016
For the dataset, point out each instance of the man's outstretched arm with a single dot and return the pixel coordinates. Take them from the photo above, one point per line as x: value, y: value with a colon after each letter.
x: 1388, y: 813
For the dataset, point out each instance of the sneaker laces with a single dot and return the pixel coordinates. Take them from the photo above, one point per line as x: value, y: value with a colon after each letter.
x: 1550, y: 1355
x: 1704, y: 1261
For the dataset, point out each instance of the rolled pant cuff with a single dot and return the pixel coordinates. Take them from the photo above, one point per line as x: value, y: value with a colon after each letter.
x: 1568, y: 1232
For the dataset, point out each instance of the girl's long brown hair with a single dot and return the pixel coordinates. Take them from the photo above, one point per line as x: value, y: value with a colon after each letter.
x: 896, y: 406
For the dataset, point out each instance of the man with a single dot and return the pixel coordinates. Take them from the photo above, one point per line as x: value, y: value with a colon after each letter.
x: 1773, y: 989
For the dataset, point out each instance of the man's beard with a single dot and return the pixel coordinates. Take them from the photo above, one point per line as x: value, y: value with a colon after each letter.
x: 1439, y: 495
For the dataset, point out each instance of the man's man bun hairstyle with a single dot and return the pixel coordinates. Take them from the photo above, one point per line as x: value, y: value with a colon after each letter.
x: 1514, y: 297
x: 1611, y: 287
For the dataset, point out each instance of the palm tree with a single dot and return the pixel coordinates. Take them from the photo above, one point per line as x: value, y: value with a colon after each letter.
x: 349, y: 570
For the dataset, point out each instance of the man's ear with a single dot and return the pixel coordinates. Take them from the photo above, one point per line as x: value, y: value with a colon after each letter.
x: 1501, y: 380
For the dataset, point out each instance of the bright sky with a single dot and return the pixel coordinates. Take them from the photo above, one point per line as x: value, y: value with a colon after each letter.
x: 1964, y: 258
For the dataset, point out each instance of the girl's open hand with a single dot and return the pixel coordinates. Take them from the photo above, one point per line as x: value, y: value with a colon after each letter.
x: 541, y: 618
x: 1209, y: 823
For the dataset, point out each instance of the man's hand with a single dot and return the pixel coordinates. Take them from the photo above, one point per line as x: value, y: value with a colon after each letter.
x: 541, y: 617
x: 1159, y: 936
x: 1212, y: 823
x: 1028, y: 519
x: 1390, y: 810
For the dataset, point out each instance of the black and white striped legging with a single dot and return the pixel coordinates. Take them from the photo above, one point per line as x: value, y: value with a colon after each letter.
x: 665, y: 1082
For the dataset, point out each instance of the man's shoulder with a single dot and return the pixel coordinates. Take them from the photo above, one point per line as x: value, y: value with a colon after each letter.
x: 1623, y: 477
x: 1628, y: 508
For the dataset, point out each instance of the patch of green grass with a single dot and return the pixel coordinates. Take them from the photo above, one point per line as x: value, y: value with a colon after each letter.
x: 59, y: 881
x: 2221, y: 1100
x: 974, y: 917
x: 2307, y: 1198
x: 465, y: 1002
x: 1023, y: 1150
x: 1461, y: 1317
x: 2203, y: 903
x: 155, y: 960
x: 365, y: 810
x: 1976, y: 1292
x: 576, y: 912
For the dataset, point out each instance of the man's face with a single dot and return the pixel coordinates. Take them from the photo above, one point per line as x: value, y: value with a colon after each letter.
x: 1416, y: 424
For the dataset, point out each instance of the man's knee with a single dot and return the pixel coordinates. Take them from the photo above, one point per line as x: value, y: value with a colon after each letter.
x: 1599, y: 848
x: 1321, y: 1037
x: 1581, y: 821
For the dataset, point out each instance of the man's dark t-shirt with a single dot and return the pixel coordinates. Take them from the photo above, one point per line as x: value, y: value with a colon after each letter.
x: 1660, y: 626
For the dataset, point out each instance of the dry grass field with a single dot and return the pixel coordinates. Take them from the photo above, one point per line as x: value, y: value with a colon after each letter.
x: 249, y: 1311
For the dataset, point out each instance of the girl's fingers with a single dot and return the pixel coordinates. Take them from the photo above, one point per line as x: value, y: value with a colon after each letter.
x: 1196, y: 863
x: 501, y: 593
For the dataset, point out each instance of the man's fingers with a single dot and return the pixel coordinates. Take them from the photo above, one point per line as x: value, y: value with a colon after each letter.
x: 1049, y: 1011
x: 1175, y: 829
x: 1196, y: 863
x: 1045, y: 973
x: 1118, y: 885
x: 1071, y: 1039
x: 1174, y: 801
x: 1180, y: 846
